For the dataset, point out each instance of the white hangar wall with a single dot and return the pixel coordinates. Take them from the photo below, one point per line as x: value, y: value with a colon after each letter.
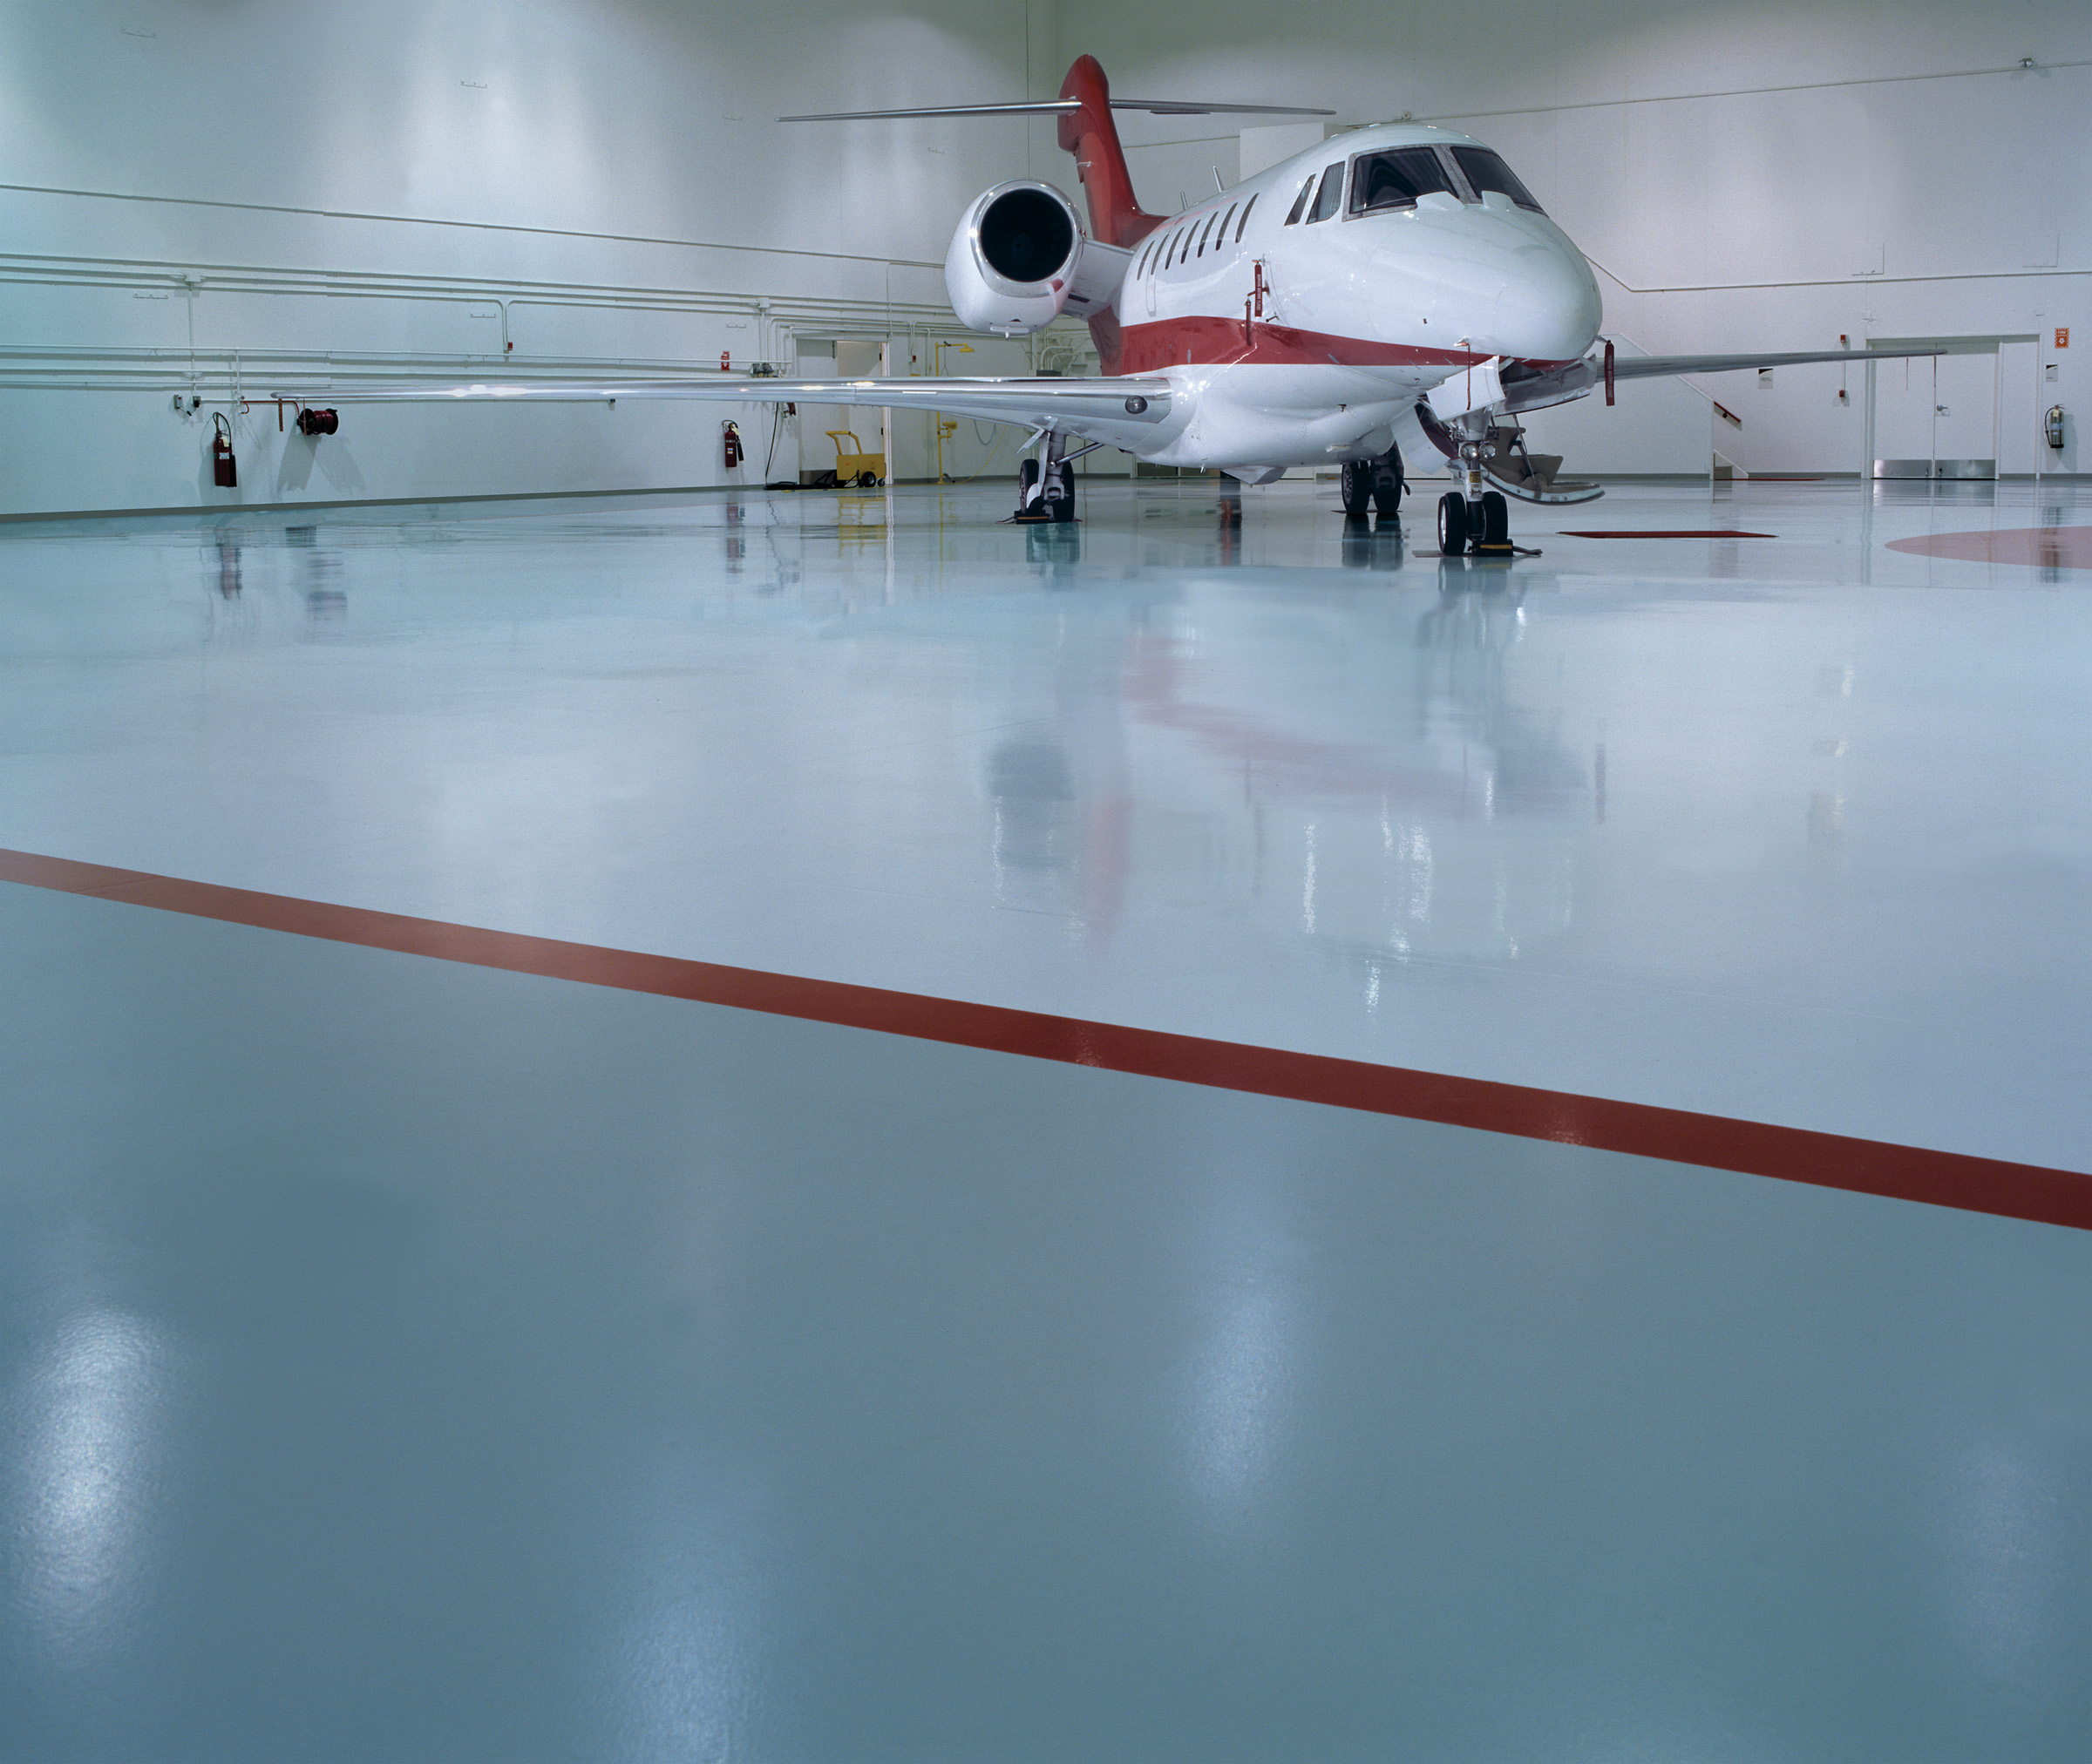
x: 598, y: 179
x: 1745, y: 176
x: 602, y: 180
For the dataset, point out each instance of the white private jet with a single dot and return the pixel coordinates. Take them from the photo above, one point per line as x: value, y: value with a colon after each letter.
x: 1394, y: 289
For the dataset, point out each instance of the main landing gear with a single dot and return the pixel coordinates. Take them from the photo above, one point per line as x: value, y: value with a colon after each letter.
x: 1046, y: 485
x: 1370, y: 484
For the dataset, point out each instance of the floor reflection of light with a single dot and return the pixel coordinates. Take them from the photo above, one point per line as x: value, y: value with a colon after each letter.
x: 1235, y: 1429
x: 88, y: 1404
x: 685, y: 1674
x: 2006, y: 1548
x: 1240, y: 1385
x: 1419, y: 854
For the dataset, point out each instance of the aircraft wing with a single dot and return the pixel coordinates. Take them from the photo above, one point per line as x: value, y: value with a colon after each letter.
x: 1122, y: 411
x: 1649, y: 367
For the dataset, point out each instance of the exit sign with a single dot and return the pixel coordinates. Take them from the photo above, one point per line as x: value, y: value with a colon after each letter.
x: 2062, y: 336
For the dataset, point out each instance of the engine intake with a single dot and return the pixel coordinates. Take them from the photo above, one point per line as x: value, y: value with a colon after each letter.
x: 1025, y: 233
x: 1013, y: 260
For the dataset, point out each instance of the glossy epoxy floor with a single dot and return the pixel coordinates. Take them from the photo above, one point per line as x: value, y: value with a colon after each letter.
x: 414, y: 1362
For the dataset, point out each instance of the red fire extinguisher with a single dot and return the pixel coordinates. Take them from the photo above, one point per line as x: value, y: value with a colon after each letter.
x: 733, y: 445
x: 225, y: 469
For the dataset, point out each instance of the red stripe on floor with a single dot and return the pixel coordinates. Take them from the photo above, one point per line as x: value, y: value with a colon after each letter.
x: 1791, y: 1154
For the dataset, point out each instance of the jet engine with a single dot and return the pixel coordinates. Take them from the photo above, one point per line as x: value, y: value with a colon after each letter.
x: 1014, y: 259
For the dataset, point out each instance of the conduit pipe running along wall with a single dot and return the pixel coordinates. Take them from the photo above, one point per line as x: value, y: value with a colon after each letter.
x: 780, y: 318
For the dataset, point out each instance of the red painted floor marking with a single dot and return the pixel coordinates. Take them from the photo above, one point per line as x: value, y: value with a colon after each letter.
x: 1753, y: 1147
x: 2043, y: 547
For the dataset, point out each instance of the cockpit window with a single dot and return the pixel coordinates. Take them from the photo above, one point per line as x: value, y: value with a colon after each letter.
x: 1486, y: 171
x: 1395, y: 179
x: 1329, y: 195
x: 1299, y: 202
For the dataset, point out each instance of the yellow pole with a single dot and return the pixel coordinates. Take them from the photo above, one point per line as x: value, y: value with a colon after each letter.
x: 937, y: 416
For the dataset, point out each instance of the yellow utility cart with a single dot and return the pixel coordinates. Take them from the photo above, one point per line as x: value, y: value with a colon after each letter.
x: 856, y: 466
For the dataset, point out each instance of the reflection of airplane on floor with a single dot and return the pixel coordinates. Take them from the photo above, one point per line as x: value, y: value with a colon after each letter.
x: 1395, y: 288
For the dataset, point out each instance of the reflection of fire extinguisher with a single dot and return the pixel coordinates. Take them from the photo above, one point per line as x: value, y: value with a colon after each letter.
x: 225, y: 469
x: 733, y: 445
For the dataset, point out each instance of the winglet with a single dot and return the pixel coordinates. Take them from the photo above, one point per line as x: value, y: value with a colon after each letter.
x: 1100, y: 162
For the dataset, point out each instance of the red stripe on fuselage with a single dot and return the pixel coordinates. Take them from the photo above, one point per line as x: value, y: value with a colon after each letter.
x: 1201, y: 340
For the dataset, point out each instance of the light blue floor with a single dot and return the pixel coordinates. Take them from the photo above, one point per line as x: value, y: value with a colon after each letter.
x: 411, y: 1361
x: 406, y: 1361
x: 1794, y: 829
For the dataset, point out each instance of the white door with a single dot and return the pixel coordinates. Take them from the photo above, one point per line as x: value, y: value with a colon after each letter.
x: 1941, y: 407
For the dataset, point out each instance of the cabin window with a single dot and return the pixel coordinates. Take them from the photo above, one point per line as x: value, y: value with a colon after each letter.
x: 1486, y: 171
x: 1141, y: 268
x: 1301, y: 202
x: 1220, y: 231
x: 1202, y: 231
x: 1242, y: 225
x: 1329, y: 195
x: 1395, y: 179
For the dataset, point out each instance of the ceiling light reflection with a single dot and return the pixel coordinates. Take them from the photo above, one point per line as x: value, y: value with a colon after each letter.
x: 90, y: 1407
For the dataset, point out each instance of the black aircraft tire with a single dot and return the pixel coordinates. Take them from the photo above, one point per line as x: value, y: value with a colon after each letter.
x: 1028, y: 477
x: 1452, y: 523
x: 1387, y: 484
x: 1496, y: 518
x: 1357, y: 486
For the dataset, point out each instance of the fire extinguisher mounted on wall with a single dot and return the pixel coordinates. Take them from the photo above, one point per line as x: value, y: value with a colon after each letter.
x: 733, y: 445
x: 225, y: 469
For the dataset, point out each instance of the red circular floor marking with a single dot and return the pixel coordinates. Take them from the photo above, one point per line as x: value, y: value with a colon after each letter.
x: 2047, y: 547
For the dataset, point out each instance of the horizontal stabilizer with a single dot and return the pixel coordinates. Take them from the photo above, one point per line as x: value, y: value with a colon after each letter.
x: 1068, y: 106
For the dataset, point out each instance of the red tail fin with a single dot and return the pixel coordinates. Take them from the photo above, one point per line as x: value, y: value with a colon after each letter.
x: 1100, y: 162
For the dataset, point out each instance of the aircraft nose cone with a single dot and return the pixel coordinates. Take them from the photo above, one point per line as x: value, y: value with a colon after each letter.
x: 1547, y: 309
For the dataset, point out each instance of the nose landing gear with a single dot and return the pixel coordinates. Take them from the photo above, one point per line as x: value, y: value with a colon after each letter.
x: 1484, y: 527
x: 1474, y: 519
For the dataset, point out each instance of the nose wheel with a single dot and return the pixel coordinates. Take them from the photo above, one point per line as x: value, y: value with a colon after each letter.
x: 1483, y: 526
x: 1452, y: 523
